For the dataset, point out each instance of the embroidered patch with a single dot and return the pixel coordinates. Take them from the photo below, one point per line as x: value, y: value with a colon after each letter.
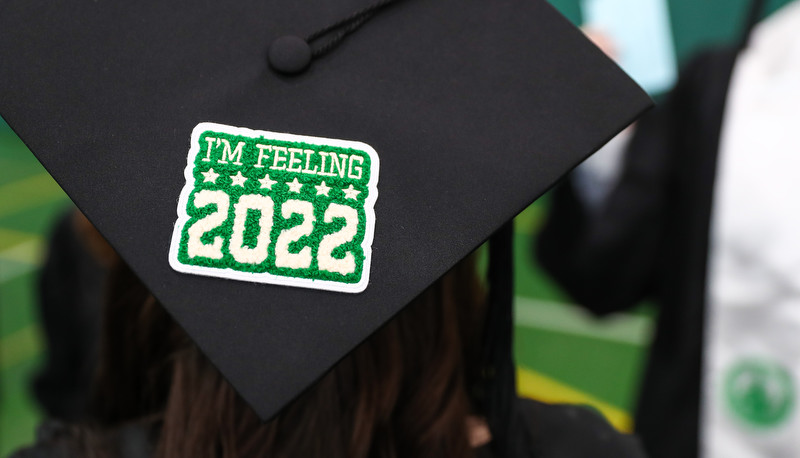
x: 276, y: 208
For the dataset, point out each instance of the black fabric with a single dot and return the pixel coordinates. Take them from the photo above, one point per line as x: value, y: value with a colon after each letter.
x: 71, y: 293
x: 475, y: 108
x: 551, y: 431
x: 568, y: 431
x: 498, y: 365
x: 650, y: 241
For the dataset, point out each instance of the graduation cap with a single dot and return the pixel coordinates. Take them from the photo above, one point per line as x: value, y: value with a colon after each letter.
x: 283, y: 197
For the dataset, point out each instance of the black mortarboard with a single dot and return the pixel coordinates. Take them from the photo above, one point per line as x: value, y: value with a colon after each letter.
x: 197, y: 159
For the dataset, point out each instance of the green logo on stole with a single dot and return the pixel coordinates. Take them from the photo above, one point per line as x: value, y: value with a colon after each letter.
x: 276, y: 208
x: 759, y: 392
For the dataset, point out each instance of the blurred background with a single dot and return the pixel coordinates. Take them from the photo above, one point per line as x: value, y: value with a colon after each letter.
x: 563, y: 354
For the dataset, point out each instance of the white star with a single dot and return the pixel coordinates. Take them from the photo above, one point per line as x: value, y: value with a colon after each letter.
x: 210, y: 176
x: 351, y: 193
x: 294, y: 186
x: 323, y: 189
x: 238, y: 179
x: 267, y: 182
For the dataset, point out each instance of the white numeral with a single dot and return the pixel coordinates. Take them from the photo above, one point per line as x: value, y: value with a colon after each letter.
x: 301, y: 260
x: 346, y: 265
x: 208, y: 223
x: 258, y: 253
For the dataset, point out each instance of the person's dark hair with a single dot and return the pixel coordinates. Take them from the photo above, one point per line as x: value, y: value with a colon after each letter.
x: 402, y: 392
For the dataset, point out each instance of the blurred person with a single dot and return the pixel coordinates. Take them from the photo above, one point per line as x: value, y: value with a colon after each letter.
x: 702, y: 217
x: 71, y: 289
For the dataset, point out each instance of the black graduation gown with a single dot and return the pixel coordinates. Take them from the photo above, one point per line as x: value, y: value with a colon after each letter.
x: 552, y: 431
x: 650, y: 242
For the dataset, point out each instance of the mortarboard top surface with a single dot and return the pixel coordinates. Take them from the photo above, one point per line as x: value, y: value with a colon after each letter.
x: 474, y: 108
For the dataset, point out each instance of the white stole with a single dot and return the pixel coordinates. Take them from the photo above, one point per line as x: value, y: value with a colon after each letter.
x: 751, y: 381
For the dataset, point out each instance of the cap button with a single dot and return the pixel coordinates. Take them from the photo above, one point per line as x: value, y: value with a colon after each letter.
x: 289, y: 55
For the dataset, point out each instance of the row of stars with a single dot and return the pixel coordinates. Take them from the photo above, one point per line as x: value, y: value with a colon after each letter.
x: 267, y: 183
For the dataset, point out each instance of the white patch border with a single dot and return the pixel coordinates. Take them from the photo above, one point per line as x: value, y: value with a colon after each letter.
x: 266, y: 277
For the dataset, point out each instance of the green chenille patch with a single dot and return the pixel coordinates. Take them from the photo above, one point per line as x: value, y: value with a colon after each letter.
x: 214, y: 165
